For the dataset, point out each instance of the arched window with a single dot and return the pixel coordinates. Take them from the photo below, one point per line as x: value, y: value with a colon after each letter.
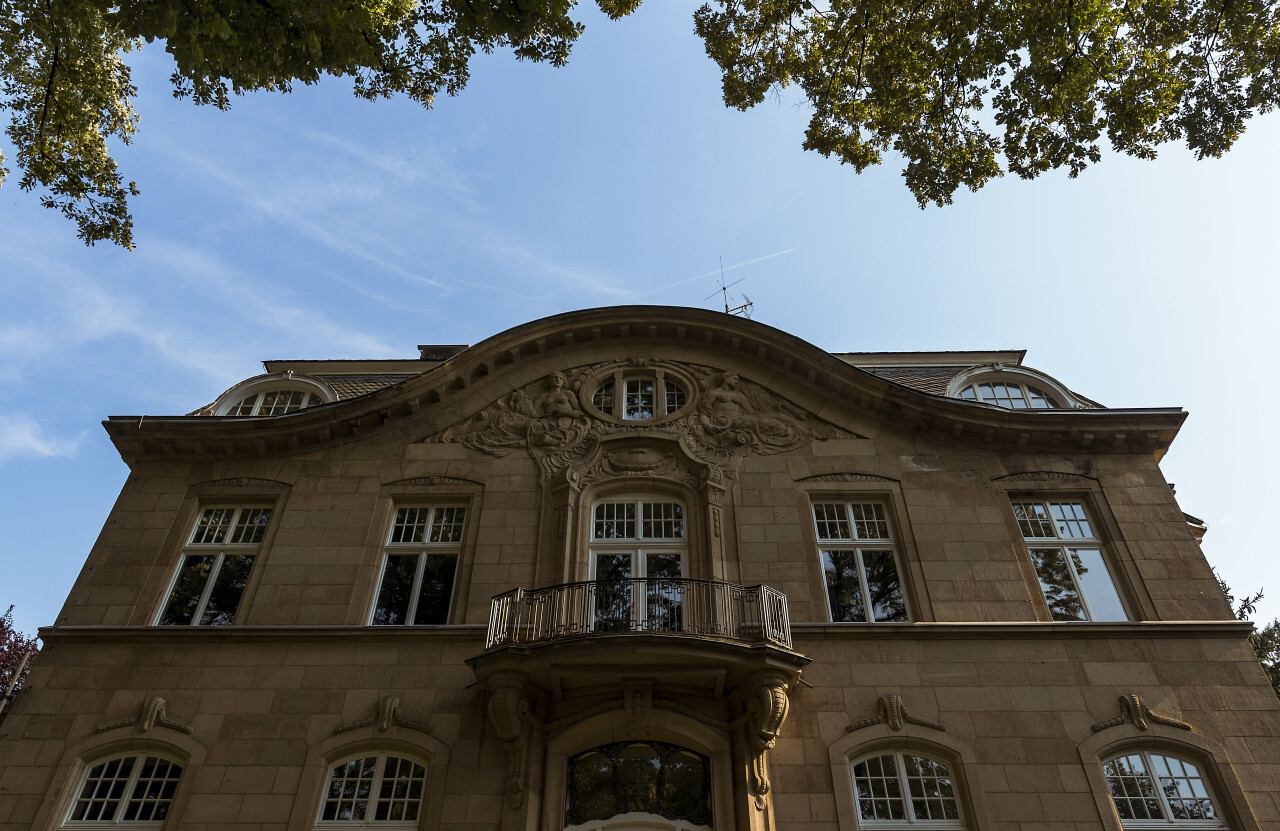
x: 1152, y: 789
x: 638, y: 552
x: 1011, y: 395
x: 902, y: 789
x: 274, y: 402
x: 274, y: 394
x: 640, y: 395
x: 373, y: 790
x: 1014, y: 388
x: 131, y: 791
x: 639, y: 781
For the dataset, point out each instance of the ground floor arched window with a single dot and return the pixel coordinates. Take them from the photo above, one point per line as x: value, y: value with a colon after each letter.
x: 641, y: 784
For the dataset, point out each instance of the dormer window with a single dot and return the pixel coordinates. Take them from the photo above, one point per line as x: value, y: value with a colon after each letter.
x: 638, y: 397
x: 1010, y: 395
x: 275, y: 402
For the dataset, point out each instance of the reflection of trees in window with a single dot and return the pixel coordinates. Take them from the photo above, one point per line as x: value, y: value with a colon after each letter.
x: 1181, y: 796
x: 639, y: 777
x: 1073, y: 576
x: 421, y: 560
x: 862, y: 575
x: 902, y: 789
x: 215, y: 567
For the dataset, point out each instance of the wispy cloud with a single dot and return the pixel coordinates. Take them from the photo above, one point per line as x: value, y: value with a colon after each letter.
x: 716, y: 272
x: 21, y: 435
x: 420, y: 163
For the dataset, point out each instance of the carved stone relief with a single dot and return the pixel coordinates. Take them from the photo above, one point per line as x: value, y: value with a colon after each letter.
x: 386, y: 713
x: 1133, y: 709
x: 1041, y: 476
x: 242, y: 482
x: 151, y: 714
x: 425, y: 481
x: 511, y: 713
x: 726, y: 416
x: 846, y: 477
x: 891, y: 710
x: 766, y: 710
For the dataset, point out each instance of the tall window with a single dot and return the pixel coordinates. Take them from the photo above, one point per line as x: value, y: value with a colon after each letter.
x: 858, y: 563
x: 1067, y: 556
x: 638, y: 552
x: 1156, y: 790
x: 215, y: 566
x: 377, y: 789
x: 903, y: 790
x: 131, y: 791
x: 419, y: 565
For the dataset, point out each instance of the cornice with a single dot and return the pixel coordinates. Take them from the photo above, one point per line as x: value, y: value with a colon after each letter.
x: 193, y: 635
x: 777, y: 356
x: 1028, y: 630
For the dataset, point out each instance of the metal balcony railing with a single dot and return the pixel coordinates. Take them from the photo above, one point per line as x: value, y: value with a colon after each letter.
x: 657, y: 606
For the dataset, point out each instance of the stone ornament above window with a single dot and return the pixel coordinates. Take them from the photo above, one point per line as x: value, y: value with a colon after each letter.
x: 557, y: 420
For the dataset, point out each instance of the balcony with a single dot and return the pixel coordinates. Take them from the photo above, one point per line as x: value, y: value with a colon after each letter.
x: 660, y: 606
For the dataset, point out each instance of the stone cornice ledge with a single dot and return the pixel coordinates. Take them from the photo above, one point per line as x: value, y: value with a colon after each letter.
x: 1021, y: 629
x: 222, y: 634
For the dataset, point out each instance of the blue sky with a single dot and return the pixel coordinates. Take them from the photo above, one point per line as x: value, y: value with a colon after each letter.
x: 316, y: 225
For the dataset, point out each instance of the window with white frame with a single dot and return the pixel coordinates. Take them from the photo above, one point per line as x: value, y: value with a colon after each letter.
x: 1067, y: 555
x: 1152, y: 789
x: 215, y: 566
x: 419, y: 565
x: 638, y: 550
x: 1011, y: 395
x: 131, y: 791
x: 859, y: 564
x: 902, y: 789
x: 374, y: 789
x: 274, y: 402
x: 639, y: 396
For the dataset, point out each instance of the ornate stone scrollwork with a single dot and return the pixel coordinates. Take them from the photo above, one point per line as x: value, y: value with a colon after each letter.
x: 1041, y: 476
x: 510, y: 712
x: 547, y: 420
x: 846, y: 477
x: 891, y: 710
x: 151, y: 714
x: 1133, y: 709
x: 766, y: 710
x: 386, y: 714
x: 421, y: 481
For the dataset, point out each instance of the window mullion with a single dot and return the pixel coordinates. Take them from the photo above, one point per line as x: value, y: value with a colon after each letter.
x: 904, y: 786
x: 1155, y: 786
x: 414, y: 591
x: 208, y: 589
x: 139, y: 762
x: 867, y: 611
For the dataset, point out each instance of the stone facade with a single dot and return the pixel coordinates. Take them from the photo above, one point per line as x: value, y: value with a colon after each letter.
x: 1022, y: 708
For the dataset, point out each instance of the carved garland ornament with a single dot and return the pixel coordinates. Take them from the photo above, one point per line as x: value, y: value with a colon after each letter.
x: 386, y: 713
x: 1133, y: 709
x: 1041, y: 476
x: 546, y: 419
x: 151, y: 714
x: 846, y: 477
x: 891, y: 710
x: 425, y: 481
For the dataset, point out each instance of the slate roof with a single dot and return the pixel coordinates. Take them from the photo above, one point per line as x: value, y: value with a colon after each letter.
x: 350, y: 386
x: 930, y: 379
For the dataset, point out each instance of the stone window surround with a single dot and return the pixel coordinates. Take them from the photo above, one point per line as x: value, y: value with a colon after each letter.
x: 454, y: 549
x: 906, y: 795
x: 126, y: 796
x: 863, y: 488
x: 1211, y: 757
x: 369, y: 822
x: 907, y: 738
x: 1058, y: 487
x: 889, y: 544
x: 240, y: 492
x: 221, y: 550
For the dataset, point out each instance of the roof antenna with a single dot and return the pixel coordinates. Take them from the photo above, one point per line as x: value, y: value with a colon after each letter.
x: 743, y: 309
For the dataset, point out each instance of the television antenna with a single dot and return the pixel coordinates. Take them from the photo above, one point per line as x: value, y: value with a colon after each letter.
x: 742, y: 309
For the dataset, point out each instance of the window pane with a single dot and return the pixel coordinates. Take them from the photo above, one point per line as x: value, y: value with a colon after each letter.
x: 1033, y: 520
x: 876, y: 785
x: 396, y: 590
x: 1095, y: 581
x: 639, y: 398
x: 410, y: 525
x: 153, y: 791
x: 1131, y: 787
x: 350, y: 786
x: 1070, y: 520
x: 832, y: 521
x: 663, y: 593
x: 884, y: 587
x: 662, y: 520
x: 844, y: 589
x: 613, y: 593
x: 869, y: 521
x: 1056, y: 583
x: 103, y: 788
x: 684, y: 794
x: 212, y: 526
x: 192, y: 578
x: 400, y: 793
x: 929, y: 782
x: 250, y: 526
x: 591, y: 790
x: 615, y: 520
x: 638, y: 769
x: 603, y: 398
x: 675, y: 395
x: 437, y: 588
x: 447, y: 526
x: 228, y: 586
x: 245, y: 407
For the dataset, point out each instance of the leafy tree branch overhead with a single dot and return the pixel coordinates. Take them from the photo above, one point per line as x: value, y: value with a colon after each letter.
x: 963, y: 90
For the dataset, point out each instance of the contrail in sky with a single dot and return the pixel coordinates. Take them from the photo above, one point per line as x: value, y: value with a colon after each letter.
x: 718, y: 271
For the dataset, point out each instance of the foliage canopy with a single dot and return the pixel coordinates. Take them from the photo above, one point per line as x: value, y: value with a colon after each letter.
x: 13, y: 647
x: 963, y: 90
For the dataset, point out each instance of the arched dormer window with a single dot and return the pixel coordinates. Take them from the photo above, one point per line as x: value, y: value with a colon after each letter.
x: 273, y: 395
x: 1153, y: 789
x: 130, y: 791
x: 1013, y: 388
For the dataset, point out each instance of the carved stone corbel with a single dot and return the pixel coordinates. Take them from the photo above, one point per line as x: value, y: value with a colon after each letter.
x: 511, y: 712
x: 151, y: 714
x: 891, y: 710
x: 1133, y: 709
x: 386, y: 714
x: 766, y: 710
